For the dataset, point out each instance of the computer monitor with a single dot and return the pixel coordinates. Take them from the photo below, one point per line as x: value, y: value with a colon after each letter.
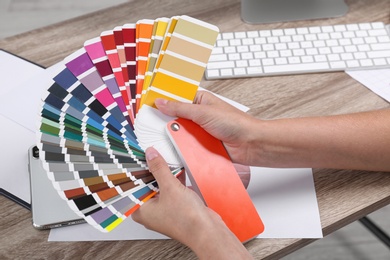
x: 272, y: 11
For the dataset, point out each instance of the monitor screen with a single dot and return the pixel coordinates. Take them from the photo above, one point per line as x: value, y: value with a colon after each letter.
x: 272, y: 11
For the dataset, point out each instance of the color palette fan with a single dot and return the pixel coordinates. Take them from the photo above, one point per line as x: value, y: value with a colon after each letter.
x: 98, y: 115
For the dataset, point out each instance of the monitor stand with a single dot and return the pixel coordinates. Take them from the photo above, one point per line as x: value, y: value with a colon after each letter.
x: 273, y: 11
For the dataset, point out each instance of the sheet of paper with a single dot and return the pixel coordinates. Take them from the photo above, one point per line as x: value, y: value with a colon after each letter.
x: 284, y: 198
x: 286, y: 201
x: 377, y: 81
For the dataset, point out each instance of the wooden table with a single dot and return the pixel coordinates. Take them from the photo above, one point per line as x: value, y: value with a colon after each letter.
x: 343, y: 196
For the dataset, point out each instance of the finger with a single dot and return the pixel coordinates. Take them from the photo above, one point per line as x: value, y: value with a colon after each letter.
x: 244, y: 173
x: 175, y: 108
x: 186, y: 110
x: 159, y: 168
x: 206, y: 98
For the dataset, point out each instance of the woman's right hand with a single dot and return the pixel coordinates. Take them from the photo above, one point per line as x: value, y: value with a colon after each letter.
x: 220, y: 119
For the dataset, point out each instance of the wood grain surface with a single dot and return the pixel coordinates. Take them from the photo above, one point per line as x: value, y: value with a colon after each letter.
x: 343, y: 196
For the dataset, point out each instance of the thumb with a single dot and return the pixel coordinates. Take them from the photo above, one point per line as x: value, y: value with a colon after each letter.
x: 159, y: 168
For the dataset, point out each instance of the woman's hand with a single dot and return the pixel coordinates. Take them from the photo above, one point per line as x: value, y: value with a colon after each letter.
x: 179, y: 213
x: 218, y: 118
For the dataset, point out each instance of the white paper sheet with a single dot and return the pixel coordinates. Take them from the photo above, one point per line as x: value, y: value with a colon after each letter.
x: 377, y: 81
x: 284, y: 198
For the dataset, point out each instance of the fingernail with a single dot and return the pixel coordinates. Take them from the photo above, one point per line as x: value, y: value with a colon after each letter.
x: 151, y: 153
x: 160, y: 102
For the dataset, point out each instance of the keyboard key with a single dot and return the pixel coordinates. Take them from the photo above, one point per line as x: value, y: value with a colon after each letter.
x: 351, y: 48
x: 346, y: 56
x: 285, y: 39
x: 219, y: 57
x: 327, y: 28
x: 241, y: 63
x: 315, y: 29
x: 360, y: 55
x: 217, y: 50
x: 277, y: 32
x: 253, y: 34
x: 229, y: 49
x: 312, y: 51
x: 234, y: 56
x: 338, y: 65
x: 340, y: 28
x: 267, y: 62
x: 285, y: 53
x: 383, y: 39
x: 260, y: 40
x: 255, y: 48
x: 226, y: 72
x: 320, y: 58
x: 378, y: 54
x: 227, y: 36
x: 247, y: 55
x: 306, y: 59
x: 242, y: 48
x: 248, y: 41
x: 380, y: 62
x: 293, y: 45
x: 268, y: 47
x: 325, y: 50
x: 380, y: 46
x: 378, y: 32
x: 366, y: 62
x: 265, y: 33
x: 235, y: 42
x: 223, y: 43
x: 273, y: 54
x: 239, y: 71
x: 299, y: 52
x: 303, y: 30
x: 254, y: 70
x: 307, y: 67
x: 352, y: 27
x: 290, y: 31
x: 377, y: 25
x: 254, y: 63
x: 260, y: 54
x: 220, y: 65
x: 281, y: 61
x: 212, y: 73
x: 364, y: 26
x: 323, y: 36
x: 294, y: 60
x: 353, y: 64
x: 240, y: 35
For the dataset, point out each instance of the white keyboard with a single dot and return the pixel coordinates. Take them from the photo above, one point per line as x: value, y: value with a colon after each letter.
x: 300, y: 50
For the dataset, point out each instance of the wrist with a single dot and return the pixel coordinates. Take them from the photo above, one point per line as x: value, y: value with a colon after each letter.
x: 215, y: 241
x: 256, y: 140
